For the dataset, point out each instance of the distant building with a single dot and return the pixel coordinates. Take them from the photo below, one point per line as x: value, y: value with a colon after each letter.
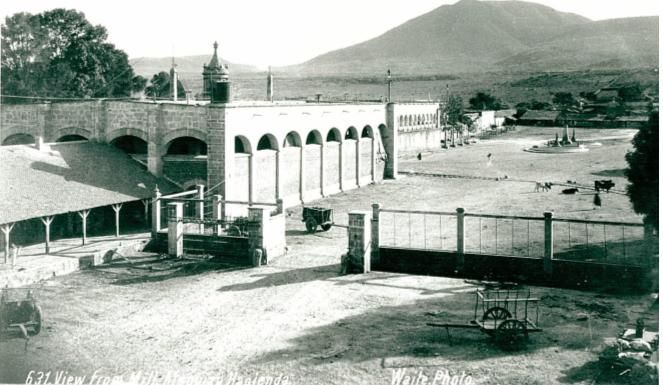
x: 539, y: 118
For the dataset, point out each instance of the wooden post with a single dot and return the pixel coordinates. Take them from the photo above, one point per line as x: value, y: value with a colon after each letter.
x: 460, y: 238
x: 47, y: 224
x: 156, y: 212
x: 358, y: 160
x: 217, y: 210
x: 83, y: 214
x: 548, y: 243
x: 146, y: 205
x: 200, y: 207
x: 117, y: 208
x: 175, y: 229
x: 6, y: 229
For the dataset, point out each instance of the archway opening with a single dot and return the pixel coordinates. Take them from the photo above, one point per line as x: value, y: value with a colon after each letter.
x: 187, y: 145
x: 71, y: 138
x: 351, y: 133
x: 267, y: 142
x: 367, y: 132
x: 18, y: 139
x: 130, y: 144
x: 242, y: 145
x: 333, y: 135
x: 313, y: 137
x: 292, y: 140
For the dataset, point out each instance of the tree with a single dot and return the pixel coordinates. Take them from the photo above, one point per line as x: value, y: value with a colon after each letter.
x: 630, y: 93
x: 453, y: 112
x: 160, y: 86
x: 483, y: 101
x: 642, y: 171
x: 58, y: 53
x: 563, y: 99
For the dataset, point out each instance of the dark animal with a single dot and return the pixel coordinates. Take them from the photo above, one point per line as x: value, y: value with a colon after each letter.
x: 604, y: 184
x: 571, y: 182
x: 570, y: 191
x: 540, y: 186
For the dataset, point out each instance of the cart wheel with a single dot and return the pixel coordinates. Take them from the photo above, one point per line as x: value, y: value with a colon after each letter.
x: 311, y: 224
x: 511, y: 334
x: 234, y: 231
x: 36, y: 318
x: 496, y: 313
x: 326, y: 226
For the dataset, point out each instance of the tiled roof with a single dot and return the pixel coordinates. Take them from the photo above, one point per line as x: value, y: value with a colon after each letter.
x: 540, y: 115
x: 69, y: 177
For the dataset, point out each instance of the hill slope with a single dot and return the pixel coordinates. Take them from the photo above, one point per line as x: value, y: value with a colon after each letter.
x: 474, y: 35
x: 187, y: 65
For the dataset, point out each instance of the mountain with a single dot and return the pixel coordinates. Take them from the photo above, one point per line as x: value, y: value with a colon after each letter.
x: 186, y: 65
x: 473, y: 35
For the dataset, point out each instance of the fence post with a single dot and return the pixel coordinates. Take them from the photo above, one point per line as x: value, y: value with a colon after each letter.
x: 175, y: 229
x: 200, y: 207
x: 217, y: 201
x: 460, y: 239
x: 375, y: 235
x: 547, y: 243
x: 156, y: 212
x: 279, y: 206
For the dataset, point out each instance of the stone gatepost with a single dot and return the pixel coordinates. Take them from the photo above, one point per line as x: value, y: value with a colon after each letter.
x: 375, y: 235
x: 359, y: 242
x: 156, y: 212
x: 176, y: 229
x: 266, y: 235
x: 548, y: 243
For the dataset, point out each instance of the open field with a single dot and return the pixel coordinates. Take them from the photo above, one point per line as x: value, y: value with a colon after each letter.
x: 297, y: 317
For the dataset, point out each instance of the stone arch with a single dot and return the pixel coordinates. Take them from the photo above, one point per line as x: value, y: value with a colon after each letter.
x: 267, y: 142
x: 314, y: 137
x: 410, y: 120
x: 186, y: 145
x: 18, y: 138
x: 66, y: 131
x: 191, y: 183
x: 334, y: 135
x: 242, y: 145
x: 351, y: 133
x: 193, y: 133
x: 130, y: 144
x: 70, y: 138
x: 367, y: 132
x: 292, y: 139
x: 127, y: 132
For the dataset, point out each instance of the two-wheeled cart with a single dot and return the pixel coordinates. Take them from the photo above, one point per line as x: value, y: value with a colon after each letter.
x: 508, y: 316
x: 19, y: 311
x: 317, y: 216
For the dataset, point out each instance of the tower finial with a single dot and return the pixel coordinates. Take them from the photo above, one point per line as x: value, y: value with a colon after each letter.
x: 216, y: 45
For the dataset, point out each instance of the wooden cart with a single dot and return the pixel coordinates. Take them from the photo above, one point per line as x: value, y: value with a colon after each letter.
x: 508, y: 316
x: 317, y: 216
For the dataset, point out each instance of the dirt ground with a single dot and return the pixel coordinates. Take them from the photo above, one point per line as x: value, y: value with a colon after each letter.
x: 207, y: 321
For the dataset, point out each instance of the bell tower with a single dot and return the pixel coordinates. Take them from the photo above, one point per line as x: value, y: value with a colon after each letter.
x: 214, y: 72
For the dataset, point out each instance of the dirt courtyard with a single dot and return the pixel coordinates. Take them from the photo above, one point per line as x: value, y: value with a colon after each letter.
x: 205, y: 321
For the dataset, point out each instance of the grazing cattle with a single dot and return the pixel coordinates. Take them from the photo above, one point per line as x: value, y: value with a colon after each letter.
x: 604, y: 184
x: 540, y: 186
x: 570, y: 191
x: 571, y: 182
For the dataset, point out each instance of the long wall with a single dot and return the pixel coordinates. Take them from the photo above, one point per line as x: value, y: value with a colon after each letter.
x: 255, y: 151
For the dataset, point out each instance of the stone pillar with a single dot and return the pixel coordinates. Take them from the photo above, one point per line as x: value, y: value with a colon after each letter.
x: 176, y: 229
x: 279, y: 177
x: 390, y: 142
x: 359, y: 241
x: 340, y: 164
x: 373, y: 156
x: 116, y: 209
x: 375, y: 235
x: 156, y: 212
x: 217, y: 212
x: 302, y: 173
x: 47, y: 230
x: 279, y: 206
x: 252, y: 176
x: 219, y: 166
x: 548, y: 242
x: 358, y: 161
x: 258, y: 232
x: 322, y: 167
x: 200, y: 207
x: 460, y: 238
x: 154, y: 160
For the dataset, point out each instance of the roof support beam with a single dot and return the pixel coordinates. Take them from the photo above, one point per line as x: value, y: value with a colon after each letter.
x: 117, y: 207
x: 83, y: 214
x: 6, y: 229
x: 146, y: 210
x: 47, y: 224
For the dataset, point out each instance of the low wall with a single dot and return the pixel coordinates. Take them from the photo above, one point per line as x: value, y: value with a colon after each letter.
x: 419, y: 140
x: 567, y: 274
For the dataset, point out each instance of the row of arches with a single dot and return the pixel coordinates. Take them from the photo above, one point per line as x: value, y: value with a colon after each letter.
x: 293, y: 139
x: 417, y: 119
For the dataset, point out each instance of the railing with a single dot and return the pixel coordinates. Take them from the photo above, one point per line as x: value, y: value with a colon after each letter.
x: 521, y: 236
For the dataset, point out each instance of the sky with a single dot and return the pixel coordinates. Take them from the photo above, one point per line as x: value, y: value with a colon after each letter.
x: 277, y: 32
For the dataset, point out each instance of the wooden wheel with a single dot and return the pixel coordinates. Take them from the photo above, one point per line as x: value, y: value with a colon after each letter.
x: 326, y: 226
x: 496, y: 313
x: 311, y: 224
x: 511, y: 334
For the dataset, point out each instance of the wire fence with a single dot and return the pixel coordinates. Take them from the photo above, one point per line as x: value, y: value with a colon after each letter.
x: 577, y: 240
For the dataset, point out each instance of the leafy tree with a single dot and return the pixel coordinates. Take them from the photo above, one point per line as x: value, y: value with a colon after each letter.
x: 483, y: 101
x: 58, y: 53
x: 454, y: 113
x: 642, y: 171
x: 631, y: 92
x: 588, y: 95
x: 538, y: 105
x: 160, y: 86
x: 563, y: 99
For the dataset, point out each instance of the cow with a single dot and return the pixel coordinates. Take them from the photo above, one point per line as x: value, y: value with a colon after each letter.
x: 541, y: 186
x: 570, y: 191
x: 604, y: 184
